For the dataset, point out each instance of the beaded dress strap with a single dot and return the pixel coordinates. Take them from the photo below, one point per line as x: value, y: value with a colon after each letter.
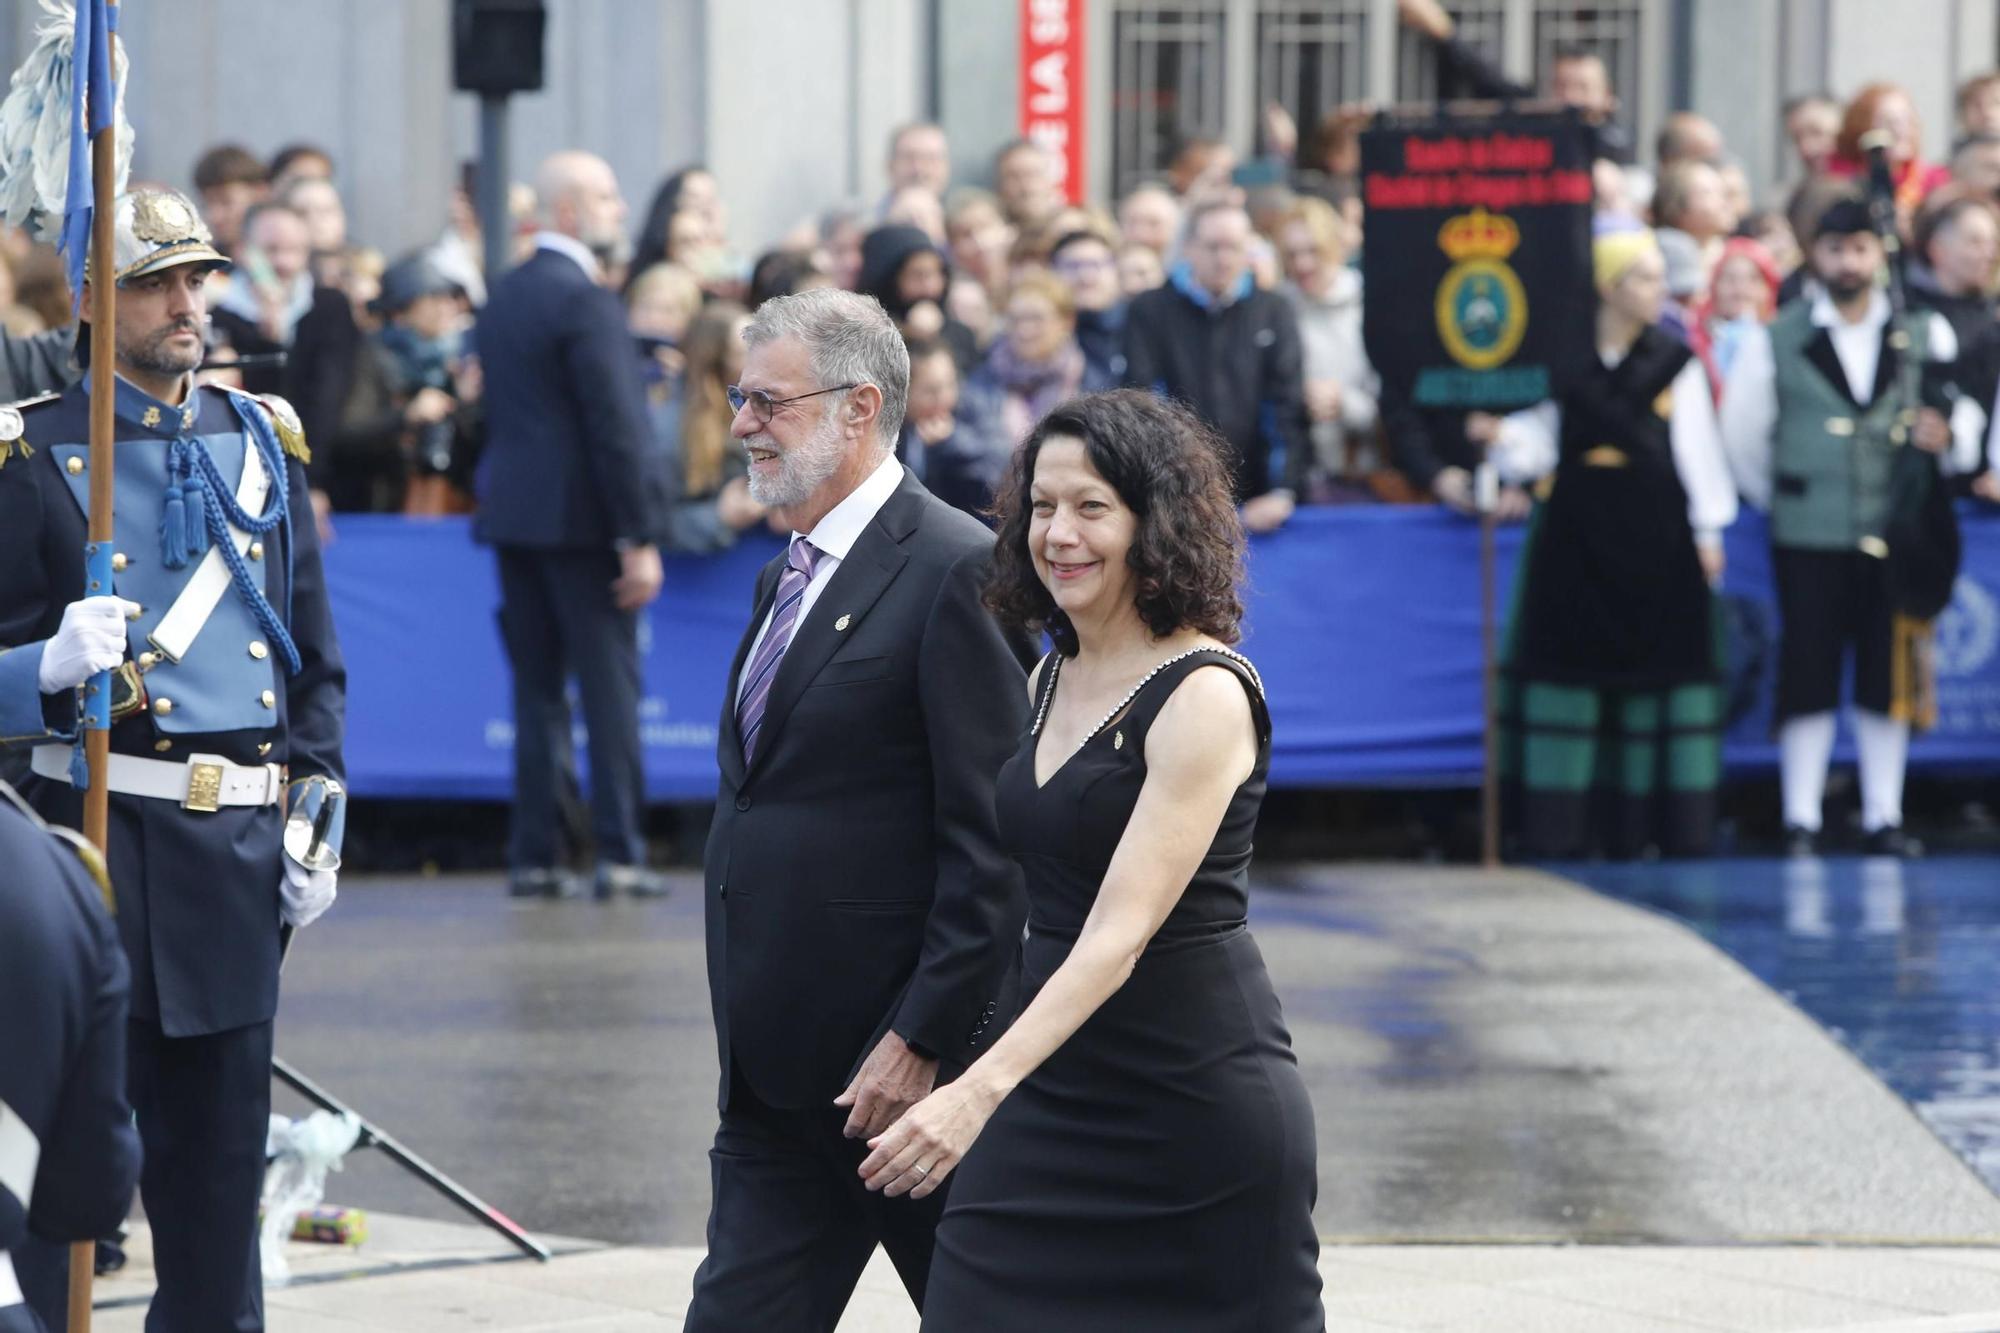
x: 1055, y: 666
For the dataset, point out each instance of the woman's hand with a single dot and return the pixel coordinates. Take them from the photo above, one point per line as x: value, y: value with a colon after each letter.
x: 916, y: 1154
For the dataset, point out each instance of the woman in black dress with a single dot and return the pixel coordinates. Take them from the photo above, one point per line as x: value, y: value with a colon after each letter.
x: 1146, y: 1155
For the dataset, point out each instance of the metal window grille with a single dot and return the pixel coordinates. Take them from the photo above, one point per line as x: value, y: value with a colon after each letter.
x: 1312, y: 55
x: 1167, y: 84
x: 1482, y: 25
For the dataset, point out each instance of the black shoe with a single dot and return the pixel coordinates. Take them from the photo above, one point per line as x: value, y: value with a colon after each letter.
x: 1801, y: 844
x: 543, y: 882
x: 1891, y: 841
x: 632, y: 881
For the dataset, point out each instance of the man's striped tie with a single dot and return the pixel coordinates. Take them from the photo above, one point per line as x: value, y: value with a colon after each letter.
x: 763, y: 668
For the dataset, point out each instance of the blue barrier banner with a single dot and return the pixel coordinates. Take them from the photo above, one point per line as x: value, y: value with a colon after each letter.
x: 1364, y: 621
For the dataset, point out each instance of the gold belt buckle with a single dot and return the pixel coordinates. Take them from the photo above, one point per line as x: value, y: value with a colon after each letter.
x: 204, y: 787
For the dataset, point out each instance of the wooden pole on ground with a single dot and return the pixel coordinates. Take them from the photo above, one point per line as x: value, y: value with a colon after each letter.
x: 97, y: 739
x: 1489, y: 787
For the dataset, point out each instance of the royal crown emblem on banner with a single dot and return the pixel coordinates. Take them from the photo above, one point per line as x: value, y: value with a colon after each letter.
x: 1482, y: 309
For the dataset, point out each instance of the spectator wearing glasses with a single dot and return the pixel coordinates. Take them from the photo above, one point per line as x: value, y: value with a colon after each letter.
x: 1038, y: 365
x: 1088, y: 266
x: 571, y: 499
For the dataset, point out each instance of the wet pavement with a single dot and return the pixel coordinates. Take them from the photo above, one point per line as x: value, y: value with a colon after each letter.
x: 1502, y: 1057
x: 1900, y: 960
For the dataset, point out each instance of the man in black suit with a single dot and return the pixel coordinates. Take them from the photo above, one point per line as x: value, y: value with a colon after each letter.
x: 861, y: 915
x: 568, y: 494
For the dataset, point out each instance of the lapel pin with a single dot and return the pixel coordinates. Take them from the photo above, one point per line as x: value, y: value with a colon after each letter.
x: 843, y: 622
x: 1117, y: 740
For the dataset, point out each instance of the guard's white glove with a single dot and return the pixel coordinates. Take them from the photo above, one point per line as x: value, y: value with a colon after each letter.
x: 91, y: 639
x: 306, y: 894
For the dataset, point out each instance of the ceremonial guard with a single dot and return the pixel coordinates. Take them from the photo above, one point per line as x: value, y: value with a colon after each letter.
x: 227, y: 702
x: 68, y: 1154
x: 1613, y: 694
x: 1825, y: 415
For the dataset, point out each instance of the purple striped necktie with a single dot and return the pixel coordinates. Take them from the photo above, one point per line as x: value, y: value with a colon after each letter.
x: 763, y: 668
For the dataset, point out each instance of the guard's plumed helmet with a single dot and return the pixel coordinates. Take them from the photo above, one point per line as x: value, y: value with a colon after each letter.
x: 154, y: 229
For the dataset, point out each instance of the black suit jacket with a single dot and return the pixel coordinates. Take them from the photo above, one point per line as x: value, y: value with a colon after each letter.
x: 855, y: 881
x: 569, y: 461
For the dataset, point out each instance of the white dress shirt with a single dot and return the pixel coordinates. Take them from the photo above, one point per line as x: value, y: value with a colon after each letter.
x: 834, y: 536
x: 1750, y: 394
x: 575, y: 249
x: 1529, y: 445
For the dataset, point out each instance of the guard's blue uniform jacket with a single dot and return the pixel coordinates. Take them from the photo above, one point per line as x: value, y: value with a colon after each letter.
x: 198, y: 892
x: 69, y: 1156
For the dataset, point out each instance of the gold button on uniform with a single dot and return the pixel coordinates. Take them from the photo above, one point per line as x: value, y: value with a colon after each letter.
x: 256, y: 550
x: 75, y: 465
x: 268, y: 699
x: 163, y: 706
x: 161, y: 747
x: 135, y: 612
x: 147, y: 661
x: 118, y: 562
x: 258, y: 650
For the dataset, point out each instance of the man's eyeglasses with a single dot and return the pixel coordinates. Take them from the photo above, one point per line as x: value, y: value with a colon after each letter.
x: 763, y: 406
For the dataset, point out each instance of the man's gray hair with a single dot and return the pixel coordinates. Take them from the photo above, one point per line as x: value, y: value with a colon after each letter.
x: 851, y: 340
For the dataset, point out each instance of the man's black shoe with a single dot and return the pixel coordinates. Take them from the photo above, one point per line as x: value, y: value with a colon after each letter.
x: 1800, y: 843
x: 543, y: 882
x: 632, y: 881
x: 1891, y: 841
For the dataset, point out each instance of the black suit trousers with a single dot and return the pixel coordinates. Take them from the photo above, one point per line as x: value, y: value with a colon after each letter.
x: 204, y: 1111
x: 558, y: 618
x: 792, y: 1225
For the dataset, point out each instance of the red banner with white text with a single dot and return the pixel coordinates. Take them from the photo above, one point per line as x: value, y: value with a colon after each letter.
x: 1052, y: 84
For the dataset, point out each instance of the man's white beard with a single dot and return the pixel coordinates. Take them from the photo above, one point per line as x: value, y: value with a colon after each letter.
x: 802, y: 468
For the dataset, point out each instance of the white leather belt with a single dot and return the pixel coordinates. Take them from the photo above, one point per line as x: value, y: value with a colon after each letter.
x: 204, y: 782
x: 10, y: 1288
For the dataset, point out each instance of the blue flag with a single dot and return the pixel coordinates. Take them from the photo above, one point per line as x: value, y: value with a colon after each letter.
x: 92, y: 100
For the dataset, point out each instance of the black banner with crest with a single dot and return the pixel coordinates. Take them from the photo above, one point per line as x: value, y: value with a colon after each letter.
x: 1476, y: 256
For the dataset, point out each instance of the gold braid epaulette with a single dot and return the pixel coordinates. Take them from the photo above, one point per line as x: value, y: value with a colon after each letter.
x: 291, y: 433
x: 12, y: 427
x: 284, y: 418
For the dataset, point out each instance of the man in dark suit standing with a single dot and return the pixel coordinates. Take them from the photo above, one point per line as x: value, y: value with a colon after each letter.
x: 568, y: 497
x: 861, y: 914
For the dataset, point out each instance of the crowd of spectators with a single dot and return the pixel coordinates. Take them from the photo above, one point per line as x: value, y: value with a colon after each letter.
x: 1234, y: 286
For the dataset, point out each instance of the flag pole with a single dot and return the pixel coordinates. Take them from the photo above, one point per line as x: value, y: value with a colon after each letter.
x: 103, y: 384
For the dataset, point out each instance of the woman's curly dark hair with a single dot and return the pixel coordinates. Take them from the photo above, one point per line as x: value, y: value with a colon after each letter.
x: 1167, y: 466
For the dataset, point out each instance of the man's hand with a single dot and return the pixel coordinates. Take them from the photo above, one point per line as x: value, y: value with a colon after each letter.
x: 1268, y: 512
x: 639, y: 577
x: 1427, y: 17
x: 306, y: 894
x: 1712, y: 562
x: 1281, y: 132
x: 1453, y: 488
x: 892, y: 1079
x: 737, y: 509
x: 1987, y: 486
x: 1323, y: 399
x: 1931, y: 433
x: 1482, y: 428
x: 429, y: 406
x: 1512, y: 504
x: 922, y: 1148
x: 937, y: 428
x: 90, y: 639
